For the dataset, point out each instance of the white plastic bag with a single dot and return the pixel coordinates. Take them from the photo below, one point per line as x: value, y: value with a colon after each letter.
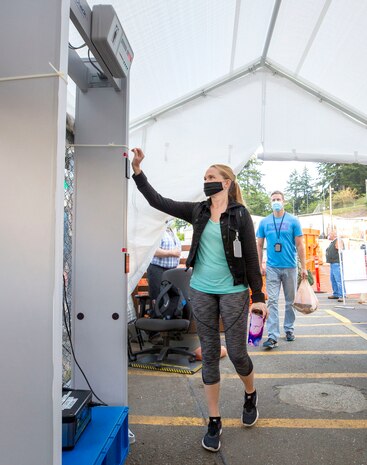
x: 306, y: 300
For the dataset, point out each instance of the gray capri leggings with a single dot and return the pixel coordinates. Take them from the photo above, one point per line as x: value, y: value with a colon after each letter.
x: 233, y: 308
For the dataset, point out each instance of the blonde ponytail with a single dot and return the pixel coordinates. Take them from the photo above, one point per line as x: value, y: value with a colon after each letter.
x: 234, y: 192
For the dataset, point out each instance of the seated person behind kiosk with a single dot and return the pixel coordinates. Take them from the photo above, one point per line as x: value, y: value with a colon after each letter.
x: 166, y: 257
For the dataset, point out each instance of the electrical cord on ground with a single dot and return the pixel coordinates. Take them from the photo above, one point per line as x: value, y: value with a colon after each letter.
x: 68, y: 331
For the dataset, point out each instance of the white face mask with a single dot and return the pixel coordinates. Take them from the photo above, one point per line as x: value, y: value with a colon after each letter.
x: 277, y: 205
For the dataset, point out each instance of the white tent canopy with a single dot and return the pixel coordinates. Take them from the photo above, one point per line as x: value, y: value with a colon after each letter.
x: 218, y: 80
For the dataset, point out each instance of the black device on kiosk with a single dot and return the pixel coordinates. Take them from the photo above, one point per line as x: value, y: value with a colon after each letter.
x: 76, y: 414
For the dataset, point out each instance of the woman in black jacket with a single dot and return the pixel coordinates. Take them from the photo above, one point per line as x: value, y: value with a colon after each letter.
x: 225, y: 264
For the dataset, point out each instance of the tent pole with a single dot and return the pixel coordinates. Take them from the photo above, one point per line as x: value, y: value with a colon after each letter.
x: 313, y: 35
x: 235, y: 33
x: 244, y: 71
x: 359, y: 117
x: 269, y: 34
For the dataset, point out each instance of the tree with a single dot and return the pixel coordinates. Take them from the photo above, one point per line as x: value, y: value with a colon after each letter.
x: 300, y: 191
x: 180, y: 224
x: 328, y: 173
x: 253, y: 191
x: 342, y: 175
x: 306, y: 189
x: 354, y: 176
x: 294, y: 193
x: 344, y: 197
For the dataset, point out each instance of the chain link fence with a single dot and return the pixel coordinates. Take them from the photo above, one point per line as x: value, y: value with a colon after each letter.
x: 68, y: 242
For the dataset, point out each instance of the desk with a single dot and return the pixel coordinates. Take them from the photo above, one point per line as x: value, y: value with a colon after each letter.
x: 104, y: 441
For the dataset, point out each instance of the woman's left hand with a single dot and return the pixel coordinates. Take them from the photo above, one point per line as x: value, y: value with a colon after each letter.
x: 260, y: 306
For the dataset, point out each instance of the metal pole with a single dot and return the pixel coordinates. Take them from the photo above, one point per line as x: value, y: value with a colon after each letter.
x: 202, y: 92
x: 270, y: 31
x: 331, y: 208
x: 360, y: 117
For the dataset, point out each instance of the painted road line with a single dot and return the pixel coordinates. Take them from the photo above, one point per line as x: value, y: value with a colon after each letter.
x: 308, y: 352
x: 318, y: 335
x: 326, y: 324
x: 338, y: 317
x: 304, y: 423
x: 257, y: 375
x: 348, y: 324
x: 312, y: 316
x: 300, y: 375
x: 271, y: 353
x: 326, y: 335
x: 222, y: 336
x: 358, y: 331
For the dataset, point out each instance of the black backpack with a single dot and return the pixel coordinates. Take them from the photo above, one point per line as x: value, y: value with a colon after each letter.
x: 170, y: 302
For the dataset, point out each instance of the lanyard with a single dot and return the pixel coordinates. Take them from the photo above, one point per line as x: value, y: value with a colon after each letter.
x: 280, y: 227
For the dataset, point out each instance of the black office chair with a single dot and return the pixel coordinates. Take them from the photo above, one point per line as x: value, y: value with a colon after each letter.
x: 181, y: 279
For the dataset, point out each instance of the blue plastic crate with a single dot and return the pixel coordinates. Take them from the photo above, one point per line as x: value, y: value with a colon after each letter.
x: 105, y: 441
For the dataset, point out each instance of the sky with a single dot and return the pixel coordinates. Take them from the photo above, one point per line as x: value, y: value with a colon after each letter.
x: 276, y: 173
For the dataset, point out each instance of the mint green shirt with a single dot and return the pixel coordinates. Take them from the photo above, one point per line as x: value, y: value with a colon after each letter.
x: 211, y: 273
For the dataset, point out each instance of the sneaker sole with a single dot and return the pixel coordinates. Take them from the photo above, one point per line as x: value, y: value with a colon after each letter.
x: 252, y: 424
x: 257, y: 415
x: 211, y: 449
x: 270, y: 348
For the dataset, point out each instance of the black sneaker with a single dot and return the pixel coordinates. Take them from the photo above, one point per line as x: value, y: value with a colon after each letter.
x: 250, y: 413
x: 270, y: 343
x: 289, y: 335
x: 211, y: 440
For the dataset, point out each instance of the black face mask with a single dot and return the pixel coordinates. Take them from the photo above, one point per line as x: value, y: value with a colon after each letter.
x: 211, y: 188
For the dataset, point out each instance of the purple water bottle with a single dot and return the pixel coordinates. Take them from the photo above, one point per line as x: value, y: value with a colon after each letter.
x: 256, y: 329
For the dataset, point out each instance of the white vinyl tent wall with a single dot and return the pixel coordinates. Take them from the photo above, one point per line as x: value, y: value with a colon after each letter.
x: 301, y: 94
x: 259, y: 113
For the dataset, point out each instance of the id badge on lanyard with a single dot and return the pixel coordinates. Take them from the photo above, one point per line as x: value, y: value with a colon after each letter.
x: 278, y: 245
x: 237, y: 247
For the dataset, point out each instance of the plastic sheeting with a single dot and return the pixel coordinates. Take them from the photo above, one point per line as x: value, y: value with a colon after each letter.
x: 222, y: 128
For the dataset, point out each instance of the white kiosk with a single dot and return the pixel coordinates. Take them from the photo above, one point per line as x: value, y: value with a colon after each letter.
x: 33, y: 82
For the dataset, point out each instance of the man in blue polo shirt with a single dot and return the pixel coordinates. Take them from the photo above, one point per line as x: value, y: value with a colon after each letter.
x: 284, y: 239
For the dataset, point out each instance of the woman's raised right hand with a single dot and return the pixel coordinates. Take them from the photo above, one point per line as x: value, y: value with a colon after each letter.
x: 138, y: 158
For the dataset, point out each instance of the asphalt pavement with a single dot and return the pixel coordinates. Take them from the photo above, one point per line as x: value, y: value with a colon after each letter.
x: 312, y: 401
